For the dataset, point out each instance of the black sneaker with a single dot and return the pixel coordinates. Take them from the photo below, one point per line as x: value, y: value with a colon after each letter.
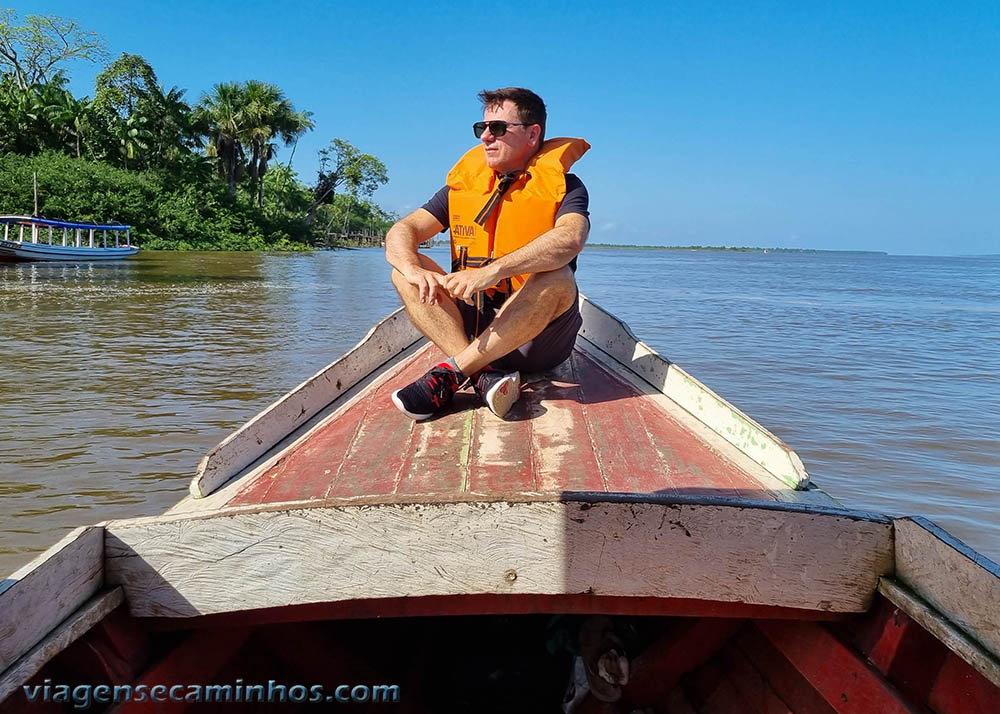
x: 498, y: 389
x: 421, y: 399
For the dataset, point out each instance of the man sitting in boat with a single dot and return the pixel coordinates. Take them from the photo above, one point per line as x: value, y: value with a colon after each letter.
x: 517, y: 221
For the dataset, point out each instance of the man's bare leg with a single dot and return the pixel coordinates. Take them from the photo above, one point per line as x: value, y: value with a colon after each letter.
x: 543, y: 298
x: 522, y: 317
x: 441, y: 323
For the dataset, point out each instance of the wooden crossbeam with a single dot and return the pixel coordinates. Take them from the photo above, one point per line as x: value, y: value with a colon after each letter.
x: 848, y: 683
x: 250, y: 558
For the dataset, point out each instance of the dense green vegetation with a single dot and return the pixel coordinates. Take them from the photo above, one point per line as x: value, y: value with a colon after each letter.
x: 184, y: 176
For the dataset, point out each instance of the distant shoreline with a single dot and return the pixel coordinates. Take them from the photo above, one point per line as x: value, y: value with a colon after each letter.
x: 733, y: 249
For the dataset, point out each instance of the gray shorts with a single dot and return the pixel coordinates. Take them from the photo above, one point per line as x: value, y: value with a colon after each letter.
x: 551, y: 347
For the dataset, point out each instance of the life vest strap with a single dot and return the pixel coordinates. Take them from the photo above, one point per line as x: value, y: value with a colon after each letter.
x: 506, y: 181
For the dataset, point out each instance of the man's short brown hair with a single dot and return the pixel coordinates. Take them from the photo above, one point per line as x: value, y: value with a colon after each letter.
x: 530, y: 107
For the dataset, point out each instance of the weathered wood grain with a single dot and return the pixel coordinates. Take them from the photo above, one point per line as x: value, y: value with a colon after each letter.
x: 260, y: 558
x: 72, y: 629
x: 960, y: 583
x: 244, y: 446
x: 46, y: 591
x: 945, y: 631
x: 612, y: 336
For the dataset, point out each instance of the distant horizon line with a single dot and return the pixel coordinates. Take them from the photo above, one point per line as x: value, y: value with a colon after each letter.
x: 761, y: 249
x: 733, y: 248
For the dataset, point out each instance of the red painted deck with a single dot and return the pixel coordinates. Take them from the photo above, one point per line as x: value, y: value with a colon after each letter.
x: 581, y: 428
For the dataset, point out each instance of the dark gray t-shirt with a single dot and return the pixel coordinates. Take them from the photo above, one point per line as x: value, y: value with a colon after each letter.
x: 576, y: 200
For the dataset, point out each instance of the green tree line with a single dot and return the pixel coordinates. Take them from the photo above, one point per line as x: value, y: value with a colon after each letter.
x: 184, y: 176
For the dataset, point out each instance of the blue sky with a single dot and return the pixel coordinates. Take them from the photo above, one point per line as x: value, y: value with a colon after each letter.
x: 847, y: 125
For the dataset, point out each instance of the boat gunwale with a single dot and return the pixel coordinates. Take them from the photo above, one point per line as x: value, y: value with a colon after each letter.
x: 317, y: 393
x: 664, y: 371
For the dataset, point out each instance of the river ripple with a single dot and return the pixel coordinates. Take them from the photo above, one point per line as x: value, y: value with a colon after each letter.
x: 881, y: 371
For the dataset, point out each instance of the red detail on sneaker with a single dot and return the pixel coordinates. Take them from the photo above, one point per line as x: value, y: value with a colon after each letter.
x: 503, y: 388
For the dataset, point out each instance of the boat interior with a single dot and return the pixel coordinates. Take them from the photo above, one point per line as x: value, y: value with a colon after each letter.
x: 881, y: 661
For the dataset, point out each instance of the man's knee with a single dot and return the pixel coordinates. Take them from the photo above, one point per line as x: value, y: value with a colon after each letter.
x: 401, y: 284
x: 557, y: 287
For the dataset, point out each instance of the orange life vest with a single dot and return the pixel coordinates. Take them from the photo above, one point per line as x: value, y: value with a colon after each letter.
x: 526, y: 210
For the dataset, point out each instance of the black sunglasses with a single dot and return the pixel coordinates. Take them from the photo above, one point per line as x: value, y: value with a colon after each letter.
x: 497, y: 128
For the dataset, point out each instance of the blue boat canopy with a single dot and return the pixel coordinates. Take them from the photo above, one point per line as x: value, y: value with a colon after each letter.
x: 31, y: 220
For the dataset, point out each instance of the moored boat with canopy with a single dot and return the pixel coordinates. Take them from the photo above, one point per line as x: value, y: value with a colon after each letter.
x: 30, y: 238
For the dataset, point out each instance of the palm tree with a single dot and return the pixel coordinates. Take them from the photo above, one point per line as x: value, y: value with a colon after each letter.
x: 222, y: 111
x: 68, y: 118
x: 174, y: 131
x: 269, y: 115
x: 245, y: 120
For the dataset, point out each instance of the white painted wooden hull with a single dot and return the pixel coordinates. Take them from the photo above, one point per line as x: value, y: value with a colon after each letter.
x: 18, y: 251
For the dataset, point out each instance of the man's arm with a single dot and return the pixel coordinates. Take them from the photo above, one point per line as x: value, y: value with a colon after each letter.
x: 401, y: 252
x: 549, y: 251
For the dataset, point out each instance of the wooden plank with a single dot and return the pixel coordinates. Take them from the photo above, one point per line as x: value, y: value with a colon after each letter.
x: 561, y: 446
x: 500, y: 453
x: 197, y: 660
x: 437, y: 453
x: 71, y: 629
x: 750, y: 683
x: 181, y: 566
x: 309, y: 467
x: 435, y: 605
x: 694, y: 466
x: 374, y: 460
x: 244, y: 446
x: 780, y: 674
x: 247, y: 482
x: 958, y: 582
x: 960, y: 689
x: 679, y: 650
x: 945, y: 631
x: 656, y: 405
x: 624, y: 448
x: 290, y: 479
x: 123, y: 647
x: 848, y: 683
x: 612, y: 336
x: 39, y: 596
x: 904, y: 652
x: 889, y: 641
